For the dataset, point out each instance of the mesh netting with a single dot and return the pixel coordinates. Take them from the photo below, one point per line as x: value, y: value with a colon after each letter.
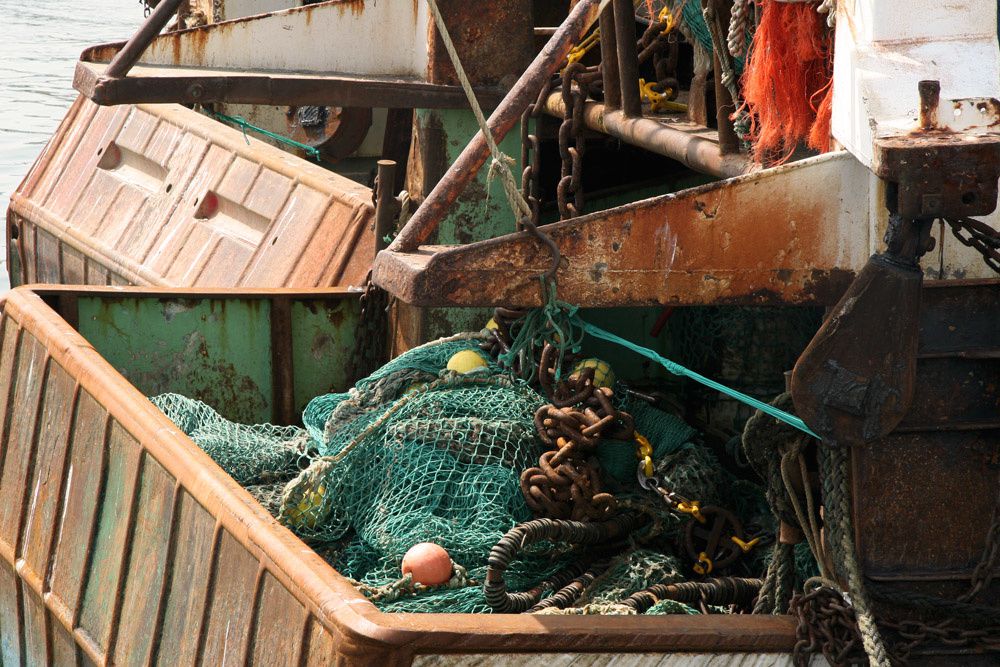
x: 747, y: 348
x: 419, y: 453
x: 256, y: 455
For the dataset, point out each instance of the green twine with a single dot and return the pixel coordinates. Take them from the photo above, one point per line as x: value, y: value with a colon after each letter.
x: 555, y: 323
x: 559, y: 324
x: 677, y: 369
x: 692, y: 16
x: 245, y: 125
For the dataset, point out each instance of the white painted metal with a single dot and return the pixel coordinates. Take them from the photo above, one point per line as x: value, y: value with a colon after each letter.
x: 236, y: 9
x: 388, y: 38
x: 884, y: 47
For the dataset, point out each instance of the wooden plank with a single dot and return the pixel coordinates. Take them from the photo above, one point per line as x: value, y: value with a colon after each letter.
x: 73, y: 269
x: 147, y: 565
x: 322, y: 650
x: 36, y: 619
x: 82, y: 491
x: 48, y: 269
x: 230, y: 604
x: 275, y: 268
x: 279, y: 627
x: 64, y: 648
x: 98, y: 613
x: 9, y: 338
x: 11, y: 621
x: 183, y: 608
x: 19, y: 441
x: 47, y: 482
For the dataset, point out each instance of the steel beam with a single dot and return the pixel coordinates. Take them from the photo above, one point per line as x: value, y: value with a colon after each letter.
x: 794, y: 234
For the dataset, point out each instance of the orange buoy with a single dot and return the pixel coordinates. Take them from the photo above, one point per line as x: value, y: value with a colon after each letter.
x: 429, y: 564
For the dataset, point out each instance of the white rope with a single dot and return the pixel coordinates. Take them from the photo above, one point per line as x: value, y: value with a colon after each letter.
x: 739, y: 24
x: 501, y: 162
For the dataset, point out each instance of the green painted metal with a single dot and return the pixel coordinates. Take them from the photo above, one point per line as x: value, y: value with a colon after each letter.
x: 480, y: 213
x: 219, y: 350
x: 324, y: 337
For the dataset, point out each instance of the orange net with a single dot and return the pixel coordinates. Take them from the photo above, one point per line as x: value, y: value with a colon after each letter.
x: 787, y: 85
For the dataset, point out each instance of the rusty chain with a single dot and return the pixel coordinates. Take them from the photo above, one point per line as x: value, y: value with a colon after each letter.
x: 659, y: 44
x: 827, y: 624
x: 370, y: 349
x: 531, y: 155
x: 569, y: 191
x: 566, y: 483
x: 987, y: 567
x: 979, y: 236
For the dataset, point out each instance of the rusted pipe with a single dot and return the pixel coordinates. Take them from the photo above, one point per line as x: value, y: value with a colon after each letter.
x: 134, y: 48
x: 628, y: 58
x: 609, y: 60
x: 681, y: 141
x: 429, y: 214
x: 384, y: 202
x: 930, y: 97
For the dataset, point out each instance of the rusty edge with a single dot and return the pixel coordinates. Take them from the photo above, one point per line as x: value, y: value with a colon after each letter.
x: 282, y: 370
x: 326, y: 594
x: 143, y: 37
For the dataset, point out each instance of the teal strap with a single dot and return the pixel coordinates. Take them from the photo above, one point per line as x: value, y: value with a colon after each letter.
x: 677, y: 369
x: 245, y: 125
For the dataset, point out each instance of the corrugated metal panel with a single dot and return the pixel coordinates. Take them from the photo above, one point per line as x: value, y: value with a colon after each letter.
x: 162, y: 195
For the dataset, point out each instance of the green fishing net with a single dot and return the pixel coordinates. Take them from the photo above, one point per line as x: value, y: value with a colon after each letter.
x: 419, y: 453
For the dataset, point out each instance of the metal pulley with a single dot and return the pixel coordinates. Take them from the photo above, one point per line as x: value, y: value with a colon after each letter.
x: 336, y: 132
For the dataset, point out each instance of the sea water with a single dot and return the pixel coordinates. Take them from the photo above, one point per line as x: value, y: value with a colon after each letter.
x: 40, y: 42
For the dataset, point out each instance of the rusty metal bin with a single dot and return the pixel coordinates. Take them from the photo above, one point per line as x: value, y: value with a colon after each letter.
x: 122, y: 542
x: 163, y: 195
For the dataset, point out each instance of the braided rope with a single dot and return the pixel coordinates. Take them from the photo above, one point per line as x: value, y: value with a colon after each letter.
x: 837, y: 500
x: 525, y: 534
x: 500, y: 166
x: 739, y: 25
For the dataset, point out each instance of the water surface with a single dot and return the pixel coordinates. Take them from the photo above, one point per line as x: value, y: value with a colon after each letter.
x: 40, y: 42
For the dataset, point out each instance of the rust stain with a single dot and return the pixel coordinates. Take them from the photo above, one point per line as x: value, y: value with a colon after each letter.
x: 356, y: 7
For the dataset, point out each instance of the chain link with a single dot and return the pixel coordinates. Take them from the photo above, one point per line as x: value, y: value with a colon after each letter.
x: 979, y: 236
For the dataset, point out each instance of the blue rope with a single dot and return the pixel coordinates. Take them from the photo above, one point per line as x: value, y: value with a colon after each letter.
x: 558, y: 323
x: 677, y: 369
x: 245, y: 125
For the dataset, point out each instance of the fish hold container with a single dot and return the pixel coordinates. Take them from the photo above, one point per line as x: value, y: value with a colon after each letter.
x: 163, y: 195
x: 122, y: 542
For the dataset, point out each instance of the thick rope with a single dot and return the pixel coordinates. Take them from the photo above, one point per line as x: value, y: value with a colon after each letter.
x: 501, y: 162
x: 837, y: 501
x: 739, y: 25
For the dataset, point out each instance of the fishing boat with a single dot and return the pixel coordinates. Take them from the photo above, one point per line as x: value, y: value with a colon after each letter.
x: 333, y: 366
